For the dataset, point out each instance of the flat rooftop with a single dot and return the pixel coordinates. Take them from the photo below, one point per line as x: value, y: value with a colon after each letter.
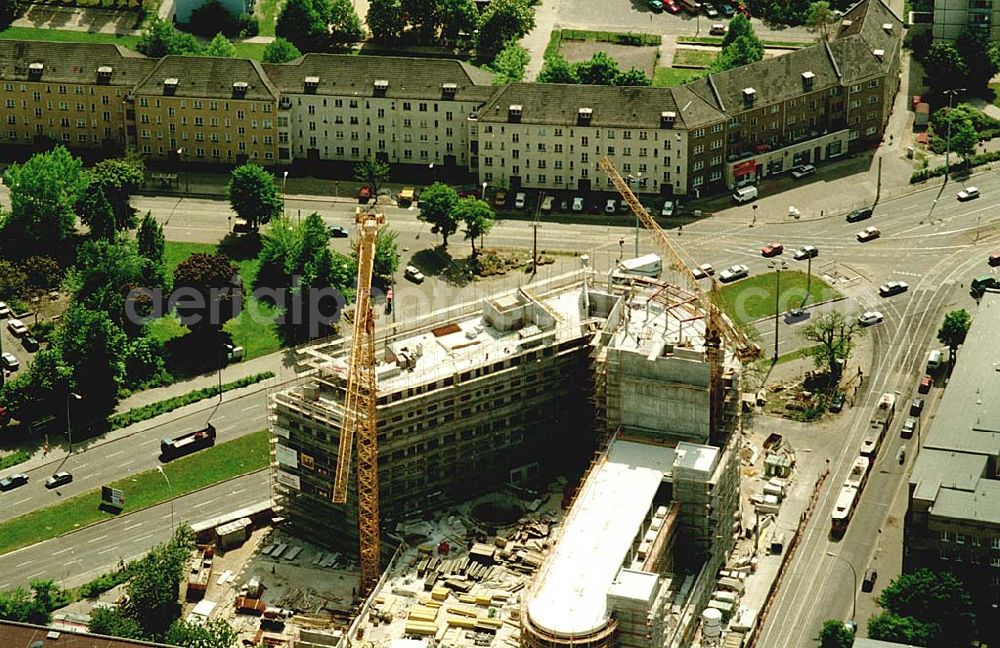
x: 661, y: 314
x: 570, y: 597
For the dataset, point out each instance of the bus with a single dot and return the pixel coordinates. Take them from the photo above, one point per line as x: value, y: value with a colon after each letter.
x: 847, y: 500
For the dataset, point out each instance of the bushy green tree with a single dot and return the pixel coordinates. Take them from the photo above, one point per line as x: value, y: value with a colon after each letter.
x: 953, y: 330
x: 212, y: 18
x: 344, y: 22
x: 557, y: 70
x: 305, y: 24
x: 221, y: 47
x: 633, y: 77
x: 254, y: 194
x: 13, y: 280
x: 97, y: 214
x: 509, y: 65
x: 478, y: 218
x: 943, y: 66
x: 372, y: 173
x: 280, y: 50
x: 216, y: 633
x: 113, y: 622
x: 119, y: 179
x: 93, y: 346
x: 11, y: 10
x: 216, y: 280
x: 925, y: 608
x: 106, y: 272
x: 834, y: 337
x: 437, y: 207
x: 386, y: 253
x: 501, y: 22
x: 835, y: 634
x: 160, y: 38
x: 821, y: 18
x: 150, y: 241
x: 739, y: 25
x: 154, y: 584
x: 742, y: 51
x: 385, y: 19
x: 30, y: 395
x: 601, y: 69
x: 963, y: 139
x: 43, y: 193
x: 980, y: 55
x: 457, y: 17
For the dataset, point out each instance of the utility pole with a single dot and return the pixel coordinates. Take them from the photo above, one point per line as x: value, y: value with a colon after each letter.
x: 878, y: 187
x: 777, y: 266
x: 809, y: 276
x: 534, y: 226
x: 947, y: 149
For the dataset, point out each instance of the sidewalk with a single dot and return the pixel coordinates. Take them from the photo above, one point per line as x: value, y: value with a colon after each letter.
x: 546, y: 14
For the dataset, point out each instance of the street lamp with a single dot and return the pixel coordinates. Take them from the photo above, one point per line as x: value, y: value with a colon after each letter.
x: 777, y: 266
x: 854, y: 573
x: 170, y: 489
x: 947, y: 149
x: 71, y: 396
x: 284, y: 179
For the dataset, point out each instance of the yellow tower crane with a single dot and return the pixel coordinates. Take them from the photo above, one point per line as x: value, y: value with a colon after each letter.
x: 717, y: 324
x: 359, y: 418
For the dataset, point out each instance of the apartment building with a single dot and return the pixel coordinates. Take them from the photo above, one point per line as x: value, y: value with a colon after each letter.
x: 67, y: 93
x: 394, y: 109
x: 953, y: 514
x: 952, y: 17
x: 206, y: 109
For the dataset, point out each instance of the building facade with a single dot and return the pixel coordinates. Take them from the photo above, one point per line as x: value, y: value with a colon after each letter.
x: 952, y: 17
x: 710, y: 135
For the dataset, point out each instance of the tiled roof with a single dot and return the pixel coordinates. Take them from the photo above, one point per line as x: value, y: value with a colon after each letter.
x: 873, y: 26
x: 209, y: 77
x: 558, y: 104
x: 72, y: 62
x: 408, y: 78
x: 23, y: 635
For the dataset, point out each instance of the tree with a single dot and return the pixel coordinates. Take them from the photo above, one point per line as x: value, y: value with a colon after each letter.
x: 980, y: 56
x: 106, y: 272
x: 887, y: 626
x: 953, y: 330
x: 13, y: 280
x: 344, y: 22
x: 834, y: 336
x: 10, y: 10
x: 501, y: 22
x: 119, y: 179
x: 477, y: 216
x: 212, y: 18
x: 963, y: 139
x: 254, y: 194
x: 742, y: 51
x: 149, y: 239
x: 557, y: 70
x: 386, y: 253
x: 739, y: 25
x: 220, y: 47
x: 834, y: 634
x: 154, y: 584
x: 943, y: 66
x: 633, y: 77
x: 385, y: 19
x: 19, y: 605
x: 820, y: 18
x: 939, y: 609
x: 43, y: 193
x: 509, y: 65
x: 280, y: 50
x: 161, y: 39
x: 437, y: 207
x: 143, y: 359
x: 30, y: 395
x: 96, y: 213
x: 216, y: 633
x: 373, y: 173
x: 93, y: 346
x: 601, y: 69
x: 112, y: 622
x: 304, y: 23
x: 457, y: 17
x: 41, y: 272
x: 215, y: 290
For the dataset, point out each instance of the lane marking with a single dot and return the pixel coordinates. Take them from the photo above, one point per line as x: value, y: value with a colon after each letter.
x: 62, y: 551
x: 133, y: 526
x: 205, y: 503
x: 108, y: 550
x: 97, y: 539
x: 116, y: 454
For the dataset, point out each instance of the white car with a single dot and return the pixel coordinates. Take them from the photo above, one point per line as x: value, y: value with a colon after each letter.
x: 805, y: 252
x: 891, y: 288
x: 869, y: 318
x: 17, y: 328
x: 702, y: 271
x: 610, y: 207
x: 732, y: 273
x: 577, y: 204
x: 668, y: 209
x: 869, y: 233
x: 968, y: 193
x: 4, y: 310
x: 519, y: 200
x: 413, y: 274
x: 9, y: 361
x: 803, y: 171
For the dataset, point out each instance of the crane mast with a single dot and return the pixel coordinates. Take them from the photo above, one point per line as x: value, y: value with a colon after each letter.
x: 359, y: 421
x: 717, y: 324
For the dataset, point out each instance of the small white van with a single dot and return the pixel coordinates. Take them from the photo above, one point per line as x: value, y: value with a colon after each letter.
x: 745, y: 194
x: 933, y: 360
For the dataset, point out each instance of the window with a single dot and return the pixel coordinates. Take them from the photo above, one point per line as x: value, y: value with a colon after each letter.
x: 943, y: 553
x: 584, y: 141
x: 717, y: 160
x: 994, y: 561
x: 611, y: 150
x: 699, y: 165
x: 976, y: 541
x: 715, y: 175
x: 700, y: 132
x: 873, y: 83
x: 995, y: 543
x: 699, y: 149
x: 717, y: 128
x: 856, y: 88
x: 945, y: 536
x: 959, y: 538
x: 697, y: 181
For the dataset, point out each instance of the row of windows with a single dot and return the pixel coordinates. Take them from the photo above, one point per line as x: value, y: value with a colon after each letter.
x: 64, y: 122
x: 200, y: 121
x: 212, y: 105
x: 380, y: 112
x: 200, y: 137
x: 61, y: 89
x: 81, y: 138
x: 975, y: 558
x: 215, y: 153
x: 974, y: 540
x: 63, y: 105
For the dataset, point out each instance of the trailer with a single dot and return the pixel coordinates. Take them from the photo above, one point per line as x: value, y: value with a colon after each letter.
x: 171, y: 448
x: 650, y: 265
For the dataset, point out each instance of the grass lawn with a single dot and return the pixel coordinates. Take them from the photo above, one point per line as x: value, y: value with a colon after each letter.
x: 250, y: 50
x: 142, y: 490
x: 700, y: 58
x: 65, y: 36
x: 267, y: 14
x: 753, y: 298
x: 798, y: 353
x: 717, y: 40
x: 665, y: 77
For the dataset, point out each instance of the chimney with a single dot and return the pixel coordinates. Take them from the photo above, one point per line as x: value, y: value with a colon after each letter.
x: 514, y: 113
x: 845, y: 23
x: 879, y: 54
x: 240, y: 89
x: 749, y: 96
x: 667, y: 119
x: 104, y: 74
x: 448, y: 90
x: 381, y: 87
x: 311, y: 83
x: 35, y: 71
x: 807, y: 80
x: 170, y: 85
x: 887, y: 28
x: 583, y: 116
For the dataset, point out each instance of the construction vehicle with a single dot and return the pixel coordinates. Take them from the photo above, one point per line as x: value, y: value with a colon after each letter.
x: 171, y: 448
x: 718, y: 326
x: 359, y: 410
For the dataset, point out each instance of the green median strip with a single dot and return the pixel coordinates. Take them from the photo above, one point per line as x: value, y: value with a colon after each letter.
x: 14, y: 458
x: 753, y: 298
x: 224, y: 461
x: 797, y: 354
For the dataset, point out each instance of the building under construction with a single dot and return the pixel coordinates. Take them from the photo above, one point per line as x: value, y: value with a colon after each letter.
x: 511, y: 389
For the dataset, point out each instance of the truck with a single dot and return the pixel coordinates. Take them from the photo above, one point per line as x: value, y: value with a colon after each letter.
x: 171, y: 448
x: 878, y: 425
x: 650, y: 265
x: 981, y: 284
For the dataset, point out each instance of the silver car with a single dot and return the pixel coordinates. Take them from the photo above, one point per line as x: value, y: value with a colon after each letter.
x: 732, y: 273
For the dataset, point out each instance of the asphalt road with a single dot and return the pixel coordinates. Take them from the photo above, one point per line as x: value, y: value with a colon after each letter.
x: 78, y: 557
x: 107, y: 461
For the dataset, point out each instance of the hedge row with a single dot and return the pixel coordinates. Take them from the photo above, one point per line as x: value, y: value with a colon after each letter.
x: 13, y: 459
x: 152, y: 410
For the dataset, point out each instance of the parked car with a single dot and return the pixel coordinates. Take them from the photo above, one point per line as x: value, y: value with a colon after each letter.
x: 891, y: 288
x: 656, y: 6
x: 709, y: 10
x: 805, y: 252
x: 520, y: 200
x: 364, y: 194
x: 994, y: 260
x: 772, y: 249
x: 734, y: 272
x: 727, y: 10
x: 577, y: 204
x: 17, y: 328
x: 718, y: 29
x: 9, y: 361
x: 30, y: 344
x: 61, y: 478
x: 796, y: 315
x: 859, y: 214
x: 868, y: 584
x: 869, y: 233
x: 916, y: 406
x: 968, y: 193
x: 610, y: 206
x: 547, y: 204
x: 500, y: 199
x: 413, y: 274
x: 668, y: 209
x: 909, y: 425
x: 336, y: 231
x: 13, y: 481
x: 869, y: 318
x: 802, y: 171
x: 672, y: 7
x: 704, y: 270
x: 925, y: 385
x: 837, y: 402
x: 4, y: 309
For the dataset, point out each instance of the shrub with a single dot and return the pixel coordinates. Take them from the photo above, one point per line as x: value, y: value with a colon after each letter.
x: 13, y: 459
x: 249, y: 25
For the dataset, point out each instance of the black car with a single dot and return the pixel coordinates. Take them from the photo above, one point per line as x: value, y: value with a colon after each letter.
x: 916, y: 406
x: 868, y: 584
x: 859, y: 214
x: 837, y: 402
x: 336, y: 231
x: 29, y: 343
x: 58, y: 479
x: 12, y: 482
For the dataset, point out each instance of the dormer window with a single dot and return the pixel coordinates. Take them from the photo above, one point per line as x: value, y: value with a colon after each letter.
x: 240, y: 89
x: 668, y: 118
x: 35, y: 70
x: 104, y: 74
x: 170, y: 86
x: 448, y: 90
x: 381, y: 86
x: 583, y: 115
x: 807, y: 80
x: 749, y: 96
x: 879, y: 54
x: 514, y: 113
x: 311, y: 83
